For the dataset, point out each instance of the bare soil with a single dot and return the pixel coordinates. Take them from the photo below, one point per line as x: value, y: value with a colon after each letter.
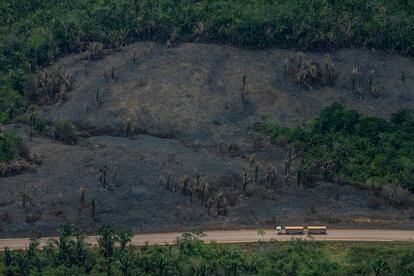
x: 186, y: 108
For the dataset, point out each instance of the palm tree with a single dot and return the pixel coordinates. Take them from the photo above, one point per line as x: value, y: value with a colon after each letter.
x: 245, y: 179
x: 8, y: 261
x: 82, y: 197
x: 209, y: 204
x: 64, y: 244
x: 32, y: 254
x: 124, y: 237
x: 23, y: 264
x: 80, y: 249
x: 106, y: 241
x: 379, y: 266
x: 125, y: 262
x: 93, y: 208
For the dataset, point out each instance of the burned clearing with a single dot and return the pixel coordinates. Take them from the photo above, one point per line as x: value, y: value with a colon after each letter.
x: 157, y: 122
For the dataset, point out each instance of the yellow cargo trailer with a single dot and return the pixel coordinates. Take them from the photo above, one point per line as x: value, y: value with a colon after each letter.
x: 317, y: 230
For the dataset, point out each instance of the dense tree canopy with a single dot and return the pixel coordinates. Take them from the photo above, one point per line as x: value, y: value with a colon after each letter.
x: 352, y: 147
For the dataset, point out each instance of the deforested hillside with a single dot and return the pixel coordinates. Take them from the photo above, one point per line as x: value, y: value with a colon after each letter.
x: 163, y: 138
x: 179, y: 115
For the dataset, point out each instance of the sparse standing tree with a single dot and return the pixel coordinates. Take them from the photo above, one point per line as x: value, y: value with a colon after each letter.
x: 403, y: 76
x: 330, y: 71
x: 288, y: 161
x: 183, y: 184
x: 196, y: 145
x: 115, y: 170
x: 244, y: 80
x: 82, y: 197
x: 209, y: 205
x: 193, y: 192
x: 205, y: 189
x: 24, y: 200
x: 256, y: 173
x: 93, y: 208
x: 243, y: 92
x: 128, y: 129
x: 229, y: 168
x: 169, y: 179
x: 354, y: 79
x: 162, y: 182
x: 102, y: 175
x: 286, y: 63
x: 360, y: 92
x: 219, y: 198
x: 270, y: 175
x: 244, y: 177
x: 371, y: 80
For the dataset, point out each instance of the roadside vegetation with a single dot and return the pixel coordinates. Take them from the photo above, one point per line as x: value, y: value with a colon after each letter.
x: 70, y: 255
x: 343, y: 146
x: 33, y: 34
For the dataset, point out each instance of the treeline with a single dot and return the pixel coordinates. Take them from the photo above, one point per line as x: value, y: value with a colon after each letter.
x: 70, y: 255
x: 33, y: 33
x: 343, y: 146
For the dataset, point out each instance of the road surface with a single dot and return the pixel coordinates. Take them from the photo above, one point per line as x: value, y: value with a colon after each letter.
x: 242, y: 236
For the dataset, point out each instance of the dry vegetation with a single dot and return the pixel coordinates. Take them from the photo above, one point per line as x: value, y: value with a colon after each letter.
x: 308, y: 73
x: 52, y: 87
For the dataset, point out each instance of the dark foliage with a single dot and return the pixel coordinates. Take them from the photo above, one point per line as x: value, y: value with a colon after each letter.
x: 349, y: 147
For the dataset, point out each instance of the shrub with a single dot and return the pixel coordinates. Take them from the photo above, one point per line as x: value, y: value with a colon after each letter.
x: 66, y: 132
x: 309, y: 73
x: 11, y: 146
x: 11, y: 104
x: 94, y: 51
x: 397, y: 196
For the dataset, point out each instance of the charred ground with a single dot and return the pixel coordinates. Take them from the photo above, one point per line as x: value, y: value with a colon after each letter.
x: 196, y: 109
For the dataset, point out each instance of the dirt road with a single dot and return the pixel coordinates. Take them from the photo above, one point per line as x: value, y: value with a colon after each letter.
x: 238, y: 236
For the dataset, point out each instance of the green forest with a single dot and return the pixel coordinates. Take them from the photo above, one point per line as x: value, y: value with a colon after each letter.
x: 345, y: 146
x: 34, y: 33
x: 69, y: 255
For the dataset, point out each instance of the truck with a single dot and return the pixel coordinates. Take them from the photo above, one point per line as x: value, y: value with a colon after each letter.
x: 301, y: 230
x: 316, y: 230
x: 290, y: 230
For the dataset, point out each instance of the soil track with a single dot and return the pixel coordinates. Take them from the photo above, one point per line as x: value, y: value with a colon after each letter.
x: 185, y: 105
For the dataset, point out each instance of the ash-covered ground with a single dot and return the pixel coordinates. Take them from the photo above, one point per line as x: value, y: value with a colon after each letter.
x: 191, y: 116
